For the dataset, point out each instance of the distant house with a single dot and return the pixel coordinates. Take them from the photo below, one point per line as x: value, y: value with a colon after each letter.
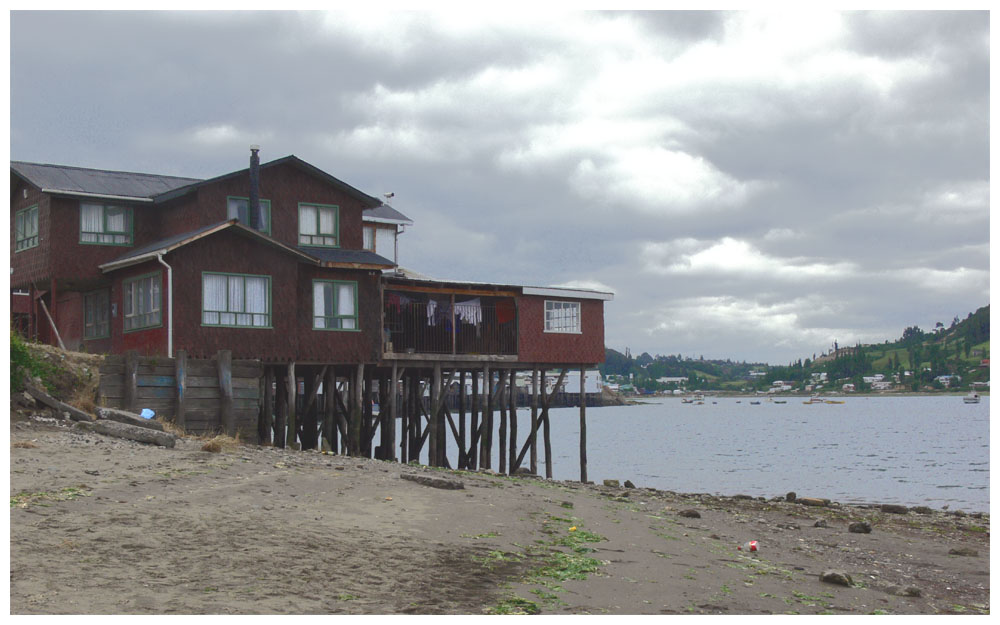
x: 672, y: 380
x: 848, y: 388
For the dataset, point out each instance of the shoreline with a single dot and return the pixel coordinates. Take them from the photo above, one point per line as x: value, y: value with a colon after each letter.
x: 102, y: 525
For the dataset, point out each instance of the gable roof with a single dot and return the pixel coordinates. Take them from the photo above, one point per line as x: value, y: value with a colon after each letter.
x: 154, y: 188
x: 293, y: 160
x: 97, y: 183
x: 169, y: 244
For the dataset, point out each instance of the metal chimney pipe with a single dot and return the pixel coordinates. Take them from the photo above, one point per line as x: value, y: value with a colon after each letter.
x: 254, y: 216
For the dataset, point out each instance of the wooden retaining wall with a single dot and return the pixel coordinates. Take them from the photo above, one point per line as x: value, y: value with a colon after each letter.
x: 202, y: 396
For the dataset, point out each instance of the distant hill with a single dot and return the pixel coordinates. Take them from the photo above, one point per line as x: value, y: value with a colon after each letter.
x: 915, y: 361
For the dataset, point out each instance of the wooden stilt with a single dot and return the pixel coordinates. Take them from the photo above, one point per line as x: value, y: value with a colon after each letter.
x: 583, y: 428
x: 180, y: 378
x: 485, y: 457
x: 533, y: 466
x: 502, y: 447
x: 463, y: 458
x: 329, y: 410
x: 291, y: 440
x: 224, y: 360
x: 404, y: 421
x: 512, y: 398
x: 434, y: 459
x: 131, y: 380
x: 547, y: 400
x: 280, y: 407
x: 366, y: 413
x: 474, y: 424
x: 389, y: 442
x: 267, y: 407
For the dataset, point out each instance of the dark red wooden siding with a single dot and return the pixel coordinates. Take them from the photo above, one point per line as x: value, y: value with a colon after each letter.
x: 536, y: 345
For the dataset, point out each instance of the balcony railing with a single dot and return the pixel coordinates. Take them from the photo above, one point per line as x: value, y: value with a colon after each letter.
x: 474, y: 327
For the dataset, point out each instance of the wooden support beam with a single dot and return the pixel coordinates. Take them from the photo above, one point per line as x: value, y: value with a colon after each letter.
x: 329, y: 410
x: 533, y: 461
x: 267, y: 406
x: 502, y: 448
x: 463, y: 456
x: 513, y: 419
x: 433, y: 458
x: 180, y: 380
x: 583, y: 428
x: 291, y: 438
x: 224, y: 360
x: 472, y: 455
x: 131, y: 380
x: 280, y: 407
x: 314, y: 390
x: 389, y: 441
x: 546, y: 430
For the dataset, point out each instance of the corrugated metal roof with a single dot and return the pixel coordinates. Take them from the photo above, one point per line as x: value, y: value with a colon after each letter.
x: 99, y: 182
x: 386, y: 213
x: 353, y: 257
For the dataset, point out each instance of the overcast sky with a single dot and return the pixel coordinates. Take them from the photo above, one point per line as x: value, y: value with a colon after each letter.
x: 749, y: 185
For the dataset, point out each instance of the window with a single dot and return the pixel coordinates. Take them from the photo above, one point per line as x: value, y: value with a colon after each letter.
x: 335, y: 305
x: 234, y: 300
x: 369, y: 242
x: 562, y: 317
x: 141, y: 302
x: 26, y: 228
x: 96, y: 324
x: 102, y: 224
x: 318, y: 225
x: 239, y: 208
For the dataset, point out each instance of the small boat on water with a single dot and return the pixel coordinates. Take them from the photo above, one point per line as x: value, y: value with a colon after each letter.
x: 780, y: 401
x: 755, y: 403
x: 971, y: 398
x: 813, y: 400
x: 834, y: 401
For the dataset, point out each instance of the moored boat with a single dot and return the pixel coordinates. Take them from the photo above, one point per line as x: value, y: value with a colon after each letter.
x: 971, y: 398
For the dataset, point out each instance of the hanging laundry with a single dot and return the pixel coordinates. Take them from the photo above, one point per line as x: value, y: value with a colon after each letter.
x: 470, y: 311
x: 431, y: 309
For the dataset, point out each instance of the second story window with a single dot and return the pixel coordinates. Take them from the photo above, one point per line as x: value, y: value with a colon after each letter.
x: 318, y: 225
x: 239, y: 208
x: 562, y: 317
x: 335, y: 305
x: 141, y: 302
x: 369, y: 241
x: 26, y: 229
x: 103, y: 224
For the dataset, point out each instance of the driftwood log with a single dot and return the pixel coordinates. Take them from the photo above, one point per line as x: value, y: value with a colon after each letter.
x: 74, y: 413
x: 129, y: 432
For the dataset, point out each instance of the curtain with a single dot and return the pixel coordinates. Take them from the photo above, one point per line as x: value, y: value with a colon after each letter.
x: 307, y: 220
x: 345, y: 306
x: 91, y: 220
x: 256, y: 300
x: 116, y: 219
x: 326, y: 221
x: 319, y: 304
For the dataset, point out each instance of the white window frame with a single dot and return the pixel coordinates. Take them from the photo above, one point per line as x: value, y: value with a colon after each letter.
x: 563, y: 317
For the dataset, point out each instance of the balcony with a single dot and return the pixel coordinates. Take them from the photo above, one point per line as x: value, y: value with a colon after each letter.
x: 419, y: 325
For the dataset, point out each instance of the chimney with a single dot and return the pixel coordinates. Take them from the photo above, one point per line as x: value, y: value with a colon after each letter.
x: 254, y: 217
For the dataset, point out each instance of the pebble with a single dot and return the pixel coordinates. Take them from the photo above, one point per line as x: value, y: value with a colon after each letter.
x: 860, y: 527
x: 838, y: 577
x: 691, y: 514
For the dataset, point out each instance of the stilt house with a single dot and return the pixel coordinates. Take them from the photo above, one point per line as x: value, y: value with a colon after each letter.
x: 292, y: 276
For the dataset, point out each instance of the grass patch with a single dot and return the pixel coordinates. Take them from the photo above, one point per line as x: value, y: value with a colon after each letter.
x: 220, y: 442
x: 493, y: 558
x: 24, y: 445
x: 565, y: 566
x: 478, y: 536
x: 514, y: 605
x: 23, y: 500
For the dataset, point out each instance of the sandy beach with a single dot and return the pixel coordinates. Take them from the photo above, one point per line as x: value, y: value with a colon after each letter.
x: 101, y: 525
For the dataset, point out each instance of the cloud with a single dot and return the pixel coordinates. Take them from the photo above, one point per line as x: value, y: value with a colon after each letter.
x: 737, y: 258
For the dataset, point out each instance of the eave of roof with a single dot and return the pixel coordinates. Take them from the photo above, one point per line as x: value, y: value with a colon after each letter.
x: 525, y: 290
x: 386, y: 214
x: 95, y: 183
x: 336, y: 258
x: 164, y: 246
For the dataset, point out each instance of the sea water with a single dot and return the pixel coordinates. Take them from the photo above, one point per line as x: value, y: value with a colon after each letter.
x: 929, y: 451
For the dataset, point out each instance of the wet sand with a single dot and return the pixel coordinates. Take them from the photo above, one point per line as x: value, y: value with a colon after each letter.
x: 105, y: 526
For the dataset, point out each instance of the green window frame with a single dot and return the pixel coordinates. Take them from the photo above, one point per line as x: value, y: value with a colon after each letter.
x: 319, y: 225
x: 235, y: 300
x: 26, y: 228
x: 97, y: 315
x: 105, y: 224
x: 239, y: 207
x: 141, y: 305
x: 335, y: 305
